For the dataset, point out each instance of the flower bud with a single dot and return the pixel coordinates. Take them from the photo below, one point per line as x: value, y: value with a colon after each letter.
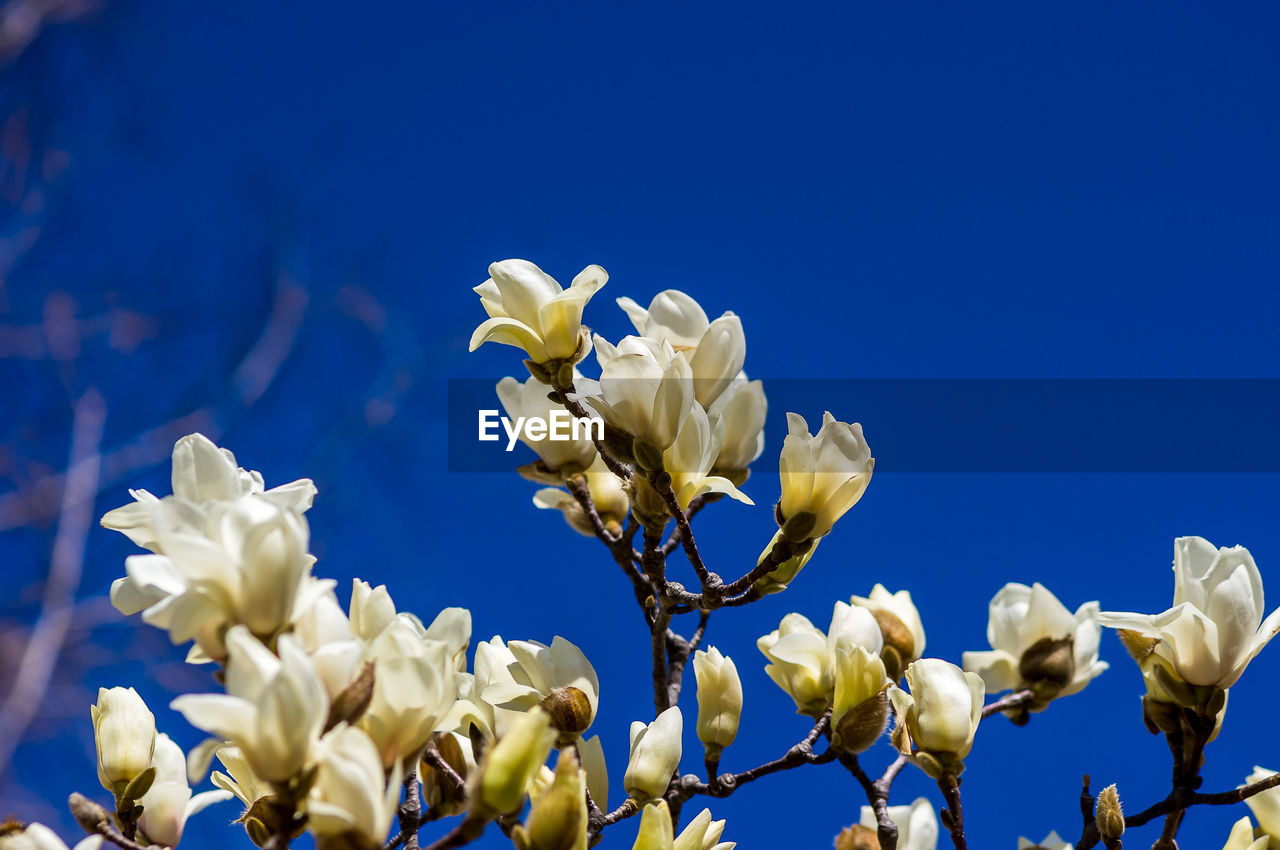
x: 1266, y: 805
x: 822, y: 476
x: 939, y: 717
x: 861, y: 707
x: 798, y: 652
x: 900, y: 627
x: 528, y: 309
x: 1241, y: 837
x: 719, y: 700
x: 124, y: 731
x: 656, y: 832
x: 655, y: 755
x: 558, y: 818
x: 702, y: 833
x: 37, y: 836
x: 570, y: 711
x: 512, y: 763
x: 1109, y: 816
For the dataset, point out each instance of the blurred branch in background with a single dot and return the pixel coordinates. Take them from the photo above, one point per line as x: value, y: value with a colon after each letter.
x: 21, y: 22
x: 31, y: 681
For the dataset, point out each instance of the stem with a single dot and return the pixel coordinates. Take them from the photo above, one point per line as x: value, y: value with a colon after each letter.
x: 411, y: 810
x: 576, y: 408
x: 464, y: 833
x: 1013, y: 700
x: 949, y: 785
x: 661, y: 482
x: 726, y: 783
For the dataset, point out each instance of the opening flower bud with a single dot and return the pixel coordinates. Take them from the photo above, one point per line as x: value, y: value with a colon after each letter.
x: 1109, y: 815
x: 859, y: 728
x: 899, y: 643
x: 858, y: 837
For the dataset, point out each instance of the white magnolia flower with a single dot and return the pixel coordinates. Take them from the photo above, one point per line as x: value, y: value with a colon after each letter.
x: 703, y: 833
x: 350, y: 793
x: 372, y: 610
x: 608, y: 495
x: 414, y: 687
x: 1052, y: 841
x: 325, y: 634
x: 1038, y: 644
x: 917, y: 824
x: 804, y: 657
x: 239, y: 779
x: 1241, y: 837
x: 492, y: 675
x: 900, y: 625
x: 511, y: 765
x: 124, y: 733
x: 655, y: 831
x: 823, y: 476
x: 239, y: 562
x: 528, y: 309
x: 655, y: 755
x: 939, y: 716
x: 741, y: 411
x: 559, y: 677
x: 719, y: 698
x: 715, y: 350
x: 1266, y: 805
x: 169, y: 802
x: 203, y: 474
x: 591, y: 751
x: 1216, y: 625
x: 690, y: 458
x: 530, y: 401
x: 799, y: 658
x: 274, y: 707
x: 645, y: 390
x: 37, y: 836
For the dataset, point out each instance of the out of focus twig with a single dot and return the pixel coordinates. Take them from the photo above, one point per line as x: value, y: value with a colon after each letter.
x: 56, y: 609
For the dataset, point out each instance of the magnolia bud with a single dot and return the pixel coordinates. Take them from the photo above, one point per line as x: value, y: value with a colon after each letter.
x: 1109, y: 815
x: 655, y: 755
x: 91, y: 816
x: 899, y: 644
x: 124, y: 731
x: 570, y: 712
x: 656, y: 832
x: 1048, y: 665
x: 512, y: 763
x: 861, y: 706
x: 719, y: 700
x: 558, y: 818
x: 857, y: 837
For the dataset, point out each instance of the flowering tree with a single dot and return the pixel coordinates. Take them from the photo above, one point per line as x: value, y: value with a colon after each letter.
x: 363, y: 726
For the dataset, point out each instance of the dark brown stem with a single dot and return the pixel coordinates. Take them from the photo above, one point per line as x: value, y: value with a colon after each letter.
x: 778, y: 555
x: 679, y: 651
x: 724, y: 784
x: 673, y: 542
x: 655, y: 569
x: 949, y: 785
x: 410, y: 816
x: 576, y: 408
x: 661, y: 482
x: 878, y: 796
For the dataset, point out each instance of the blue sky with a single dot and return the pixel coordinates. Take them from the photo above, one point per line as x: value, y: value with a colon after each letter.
x: 880, y: 192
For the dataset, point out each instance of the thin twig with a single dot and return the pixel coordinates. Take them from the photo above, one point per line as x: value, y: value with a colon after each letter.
x: 949, y: 785
x: 726, y: 783
x: 411, y: 811
x: 1013, y: 700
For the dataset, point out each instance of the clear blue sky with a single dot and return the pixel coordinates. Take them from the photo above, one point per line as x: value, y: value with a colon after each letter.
x: 929, y: 191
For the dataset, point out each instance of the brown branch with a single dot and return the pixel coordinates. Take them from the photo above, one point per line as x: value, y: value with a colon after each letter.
x: 949, y: 785
x: 575, y: 407
x: 661, y: 482
x: 467, y: 831
x: 698, y: 503
x: 410, y: 814
x: 726, y: 783
x: 47, y: 638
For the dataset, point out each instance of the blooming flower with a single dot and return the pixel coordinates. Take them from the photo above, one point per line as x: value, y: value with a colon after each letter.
x: 273, y: 710
x: 169, y: 802
x: 1051, y: 842
x: 900, y: 627
x: 1266, y: 805
x: 350, y: 793
x: 690, y: 458
x: 917, y: 824
x: 939, y: 716
x: 1241, y: 837
x: 1216, y: 625
x: 558, y: 677
x: 719, y: 699
x: 529, y: 400
x: 655, y: 831
x: 715, y: 350
x: 741, y: 410
x: 528, y: 309
x: 645, y: 391
x: 37, y: 836
x: 804, y: 658
x: 607, y: 495
x: 413, y: 690
x: 655, y: 755
x: 823, y: 476
x: 558, y: 815
x: 124, y: 733
x: 1038, y: 644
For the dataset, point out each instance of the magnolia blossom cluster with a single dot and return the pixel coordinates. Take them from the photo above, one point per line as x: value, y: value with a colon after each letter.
x: 327, y: 713
x: 674, y: 399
